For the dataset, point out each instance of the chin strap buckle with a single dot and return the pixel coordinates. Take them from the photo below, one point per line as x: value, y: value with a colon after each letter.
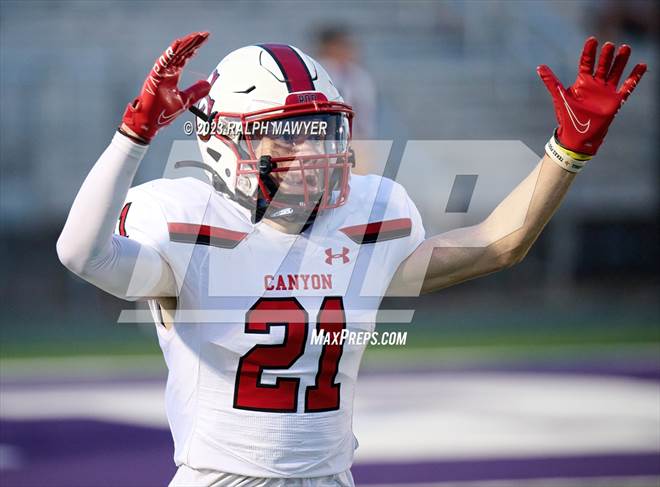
x: 266, y: 165
x: 351, y: 157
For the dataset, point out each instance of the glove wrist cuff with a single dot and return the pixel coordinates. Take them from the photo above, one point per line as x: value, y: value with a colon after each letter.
x: 565, y: 158
x: 137, y: 140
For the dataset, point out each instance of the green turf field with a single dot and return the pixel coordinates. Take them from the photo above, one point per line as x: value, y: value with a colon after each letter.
x: 500, y: 334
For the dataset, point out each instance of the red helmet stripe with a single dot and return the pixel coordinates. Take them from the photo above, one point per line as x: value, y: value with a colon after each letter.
x: 293, y: 68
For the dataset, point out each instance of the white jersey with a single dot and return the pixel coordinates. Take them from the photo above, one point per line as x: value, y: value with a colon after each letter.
x: 249, y: 391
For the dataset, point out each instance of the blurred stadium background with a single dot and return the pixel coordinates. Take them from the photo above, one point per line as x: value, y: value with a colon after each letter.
x: 545, y: 374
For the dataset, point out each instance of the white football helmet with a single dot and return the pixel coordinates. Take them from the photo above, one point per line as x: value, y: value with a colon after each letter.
x: 277, y: 134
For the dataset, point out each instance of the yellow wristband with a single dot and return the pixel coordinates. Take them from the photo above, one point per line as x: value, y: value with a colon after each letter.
x: 564, y: 158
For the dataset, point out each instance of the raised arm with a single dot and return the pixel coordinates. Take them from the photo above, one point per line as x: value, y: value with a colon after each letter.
x: 584, y: 113
x: 122, y: 266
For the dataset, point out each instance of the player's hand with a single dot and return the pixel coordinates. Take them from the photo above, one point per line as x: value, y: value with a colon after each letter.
x: 160, y: 100
x: 586, y: 109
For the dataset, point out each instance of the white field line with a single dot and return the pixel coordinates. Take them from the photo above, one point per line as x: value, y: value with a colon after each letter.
x: 622, y: 350
x: 419, y: 417
x: 83, y: 366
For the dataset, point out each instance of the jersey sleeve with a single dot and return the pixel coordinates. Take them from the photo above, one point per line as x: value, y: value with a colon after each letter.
x: 141, y: 224
x: 131, y: 266
x: 401, y: 206
x: 406, y: 208
x: 402, y: 236
x: 417, y: 231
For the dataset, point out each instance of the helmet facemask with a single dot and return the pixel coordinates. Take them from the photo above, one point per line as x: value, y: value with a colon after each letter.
x: 292, y: 161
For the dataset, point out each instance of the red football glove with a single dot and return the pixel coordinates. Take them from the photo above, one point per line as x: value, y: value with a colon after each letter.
x: 160, y: 101
x: 586, y: 109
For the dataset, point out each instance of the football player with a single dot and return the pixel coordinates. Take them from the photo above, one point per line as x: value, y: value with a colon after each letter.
x: 241, y: 270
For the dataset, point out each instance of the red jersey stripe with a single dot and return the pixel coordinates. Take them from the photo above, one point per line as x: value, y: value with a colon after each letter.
x: 375, y: 227
x: 204, y: 235
x: 379, y: 231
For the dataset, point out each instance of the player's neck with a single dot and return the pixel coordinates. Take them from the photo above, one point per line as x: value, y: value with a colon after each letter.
x: 284, y: 227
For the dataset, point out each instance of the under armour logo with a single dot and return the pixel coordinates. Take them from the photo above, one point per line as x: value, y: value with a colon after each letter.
x: 343, y: 256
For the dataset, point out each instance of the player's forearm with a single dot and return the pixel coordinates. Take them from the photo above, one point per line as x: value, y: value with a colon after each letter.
x: 532, y: 204
x: 87, y: 234
x: 500, y: 241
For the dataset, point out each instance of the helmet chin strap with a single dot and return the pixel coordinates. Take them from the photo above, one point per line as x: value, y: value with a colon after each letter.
x: 292, y: 214
x: 266, y: 166
x: 198, y: 113
x: 217, y: 181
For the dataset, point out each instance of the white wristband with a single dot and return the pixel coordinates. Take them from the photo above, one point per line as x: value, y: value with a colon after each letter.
x: 564, y: 158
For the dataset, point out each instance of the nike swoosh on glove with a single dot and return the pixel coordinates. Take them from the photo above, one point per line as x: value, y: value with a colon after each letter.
x: 160, y: 100
x: 586, y: 109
